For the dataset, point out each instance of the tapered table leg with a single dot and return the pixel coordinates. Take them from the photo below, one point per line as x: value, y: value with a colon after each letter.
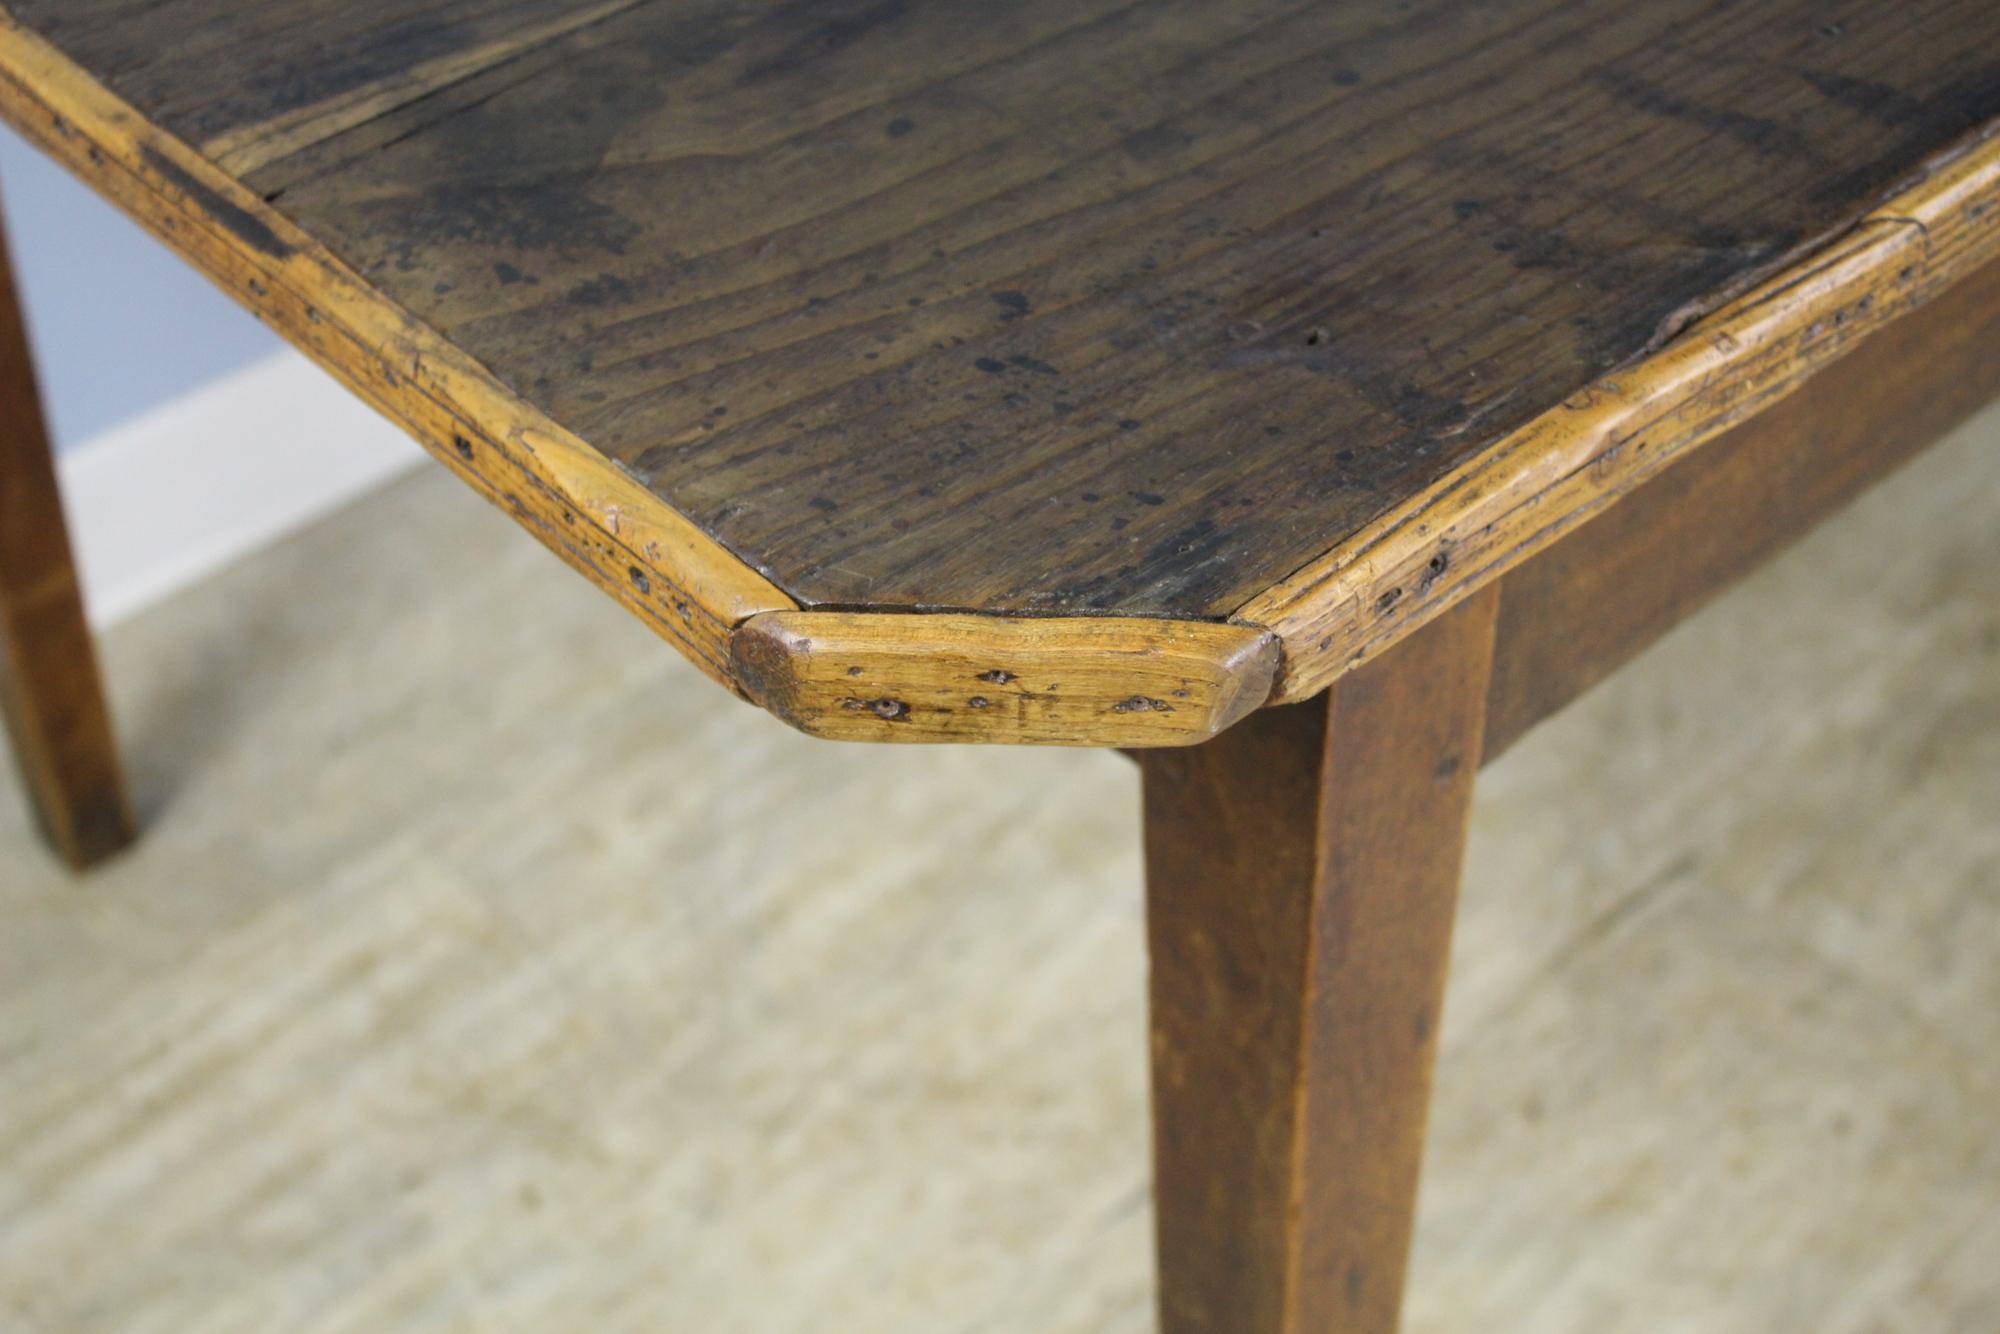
x: 1302, y: 874
x: 50, y: 691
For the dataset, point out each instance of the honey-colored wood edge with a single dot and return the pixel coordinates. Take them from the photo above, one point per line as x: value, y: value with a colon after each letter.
x: 1111, y: 681
x: 663, y: 568
x: 1543, y: 480
x: 1575, y: 613
x: 1114, y: 682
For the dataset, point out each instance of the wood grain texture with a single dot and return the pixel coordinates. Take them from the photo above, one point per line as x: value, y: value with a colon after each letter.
x: 661, y: 567
x: 1066, y: 308
x: 1094, y: 681
x: 1302, y: 875
x: 1576, y: 612
x: 584, y: 507
x: 1310, y: 317
x: 482, y: 41
x: 1530, y: 489
x: 51, y: 693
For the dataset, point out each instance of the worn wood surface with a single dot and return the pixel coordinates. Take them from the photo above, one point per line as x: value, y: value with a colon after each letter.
x: 665, y: 570
x: 690, y: 590
x: 50, y: 692
x: 1311, y: 316
x: 1090, y: 681
x: 1083, y: 308
x: 1572, y: 462
x: 1573, y: 614
x: 1302, y: 873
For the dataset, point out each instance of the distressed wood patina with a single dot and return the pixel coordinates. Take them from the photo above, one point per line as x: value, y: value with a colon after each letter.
x: 1178, y: 312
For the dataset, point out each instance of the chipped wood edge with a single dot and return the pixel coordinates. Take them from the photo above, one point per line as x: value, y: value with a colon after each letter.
x: 1070, y: 681
x: 675, y: 577
x: 1405, y: 568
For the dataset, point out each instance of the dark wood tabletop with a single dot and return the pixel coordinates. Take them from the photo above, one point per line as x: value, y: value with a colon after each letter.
x: 1238, y: 338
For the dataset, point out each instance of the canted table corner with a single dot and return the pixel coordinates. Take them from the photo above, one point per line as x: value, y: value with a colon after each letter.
x: 1093, y: 375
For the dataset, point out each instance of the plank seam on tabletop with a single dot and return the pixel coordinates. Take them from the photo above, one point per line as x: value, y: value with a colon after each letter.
x: 246, y: 148
x: 1427, y: 553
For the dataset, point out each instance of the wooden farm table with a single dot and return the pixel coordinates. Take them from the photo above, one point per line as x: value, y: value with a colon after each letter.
x: 1091, y: 373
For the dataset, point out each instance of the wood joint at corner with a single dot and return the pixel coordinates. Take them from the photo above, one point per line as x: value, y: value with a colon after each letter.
x: 954, y: 677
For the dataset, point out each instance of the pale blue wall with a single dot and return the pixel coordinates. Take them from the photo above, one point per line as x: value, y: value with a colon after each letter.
x: 118, y: 323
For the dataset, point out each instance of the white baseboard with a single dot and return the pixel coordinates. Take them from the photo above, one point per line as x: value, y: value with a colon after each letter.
x: 158, y: 502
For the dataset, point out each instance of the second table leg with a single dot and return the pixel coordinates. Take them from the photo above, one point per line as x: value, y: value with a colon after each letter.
x: 50, y: 690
